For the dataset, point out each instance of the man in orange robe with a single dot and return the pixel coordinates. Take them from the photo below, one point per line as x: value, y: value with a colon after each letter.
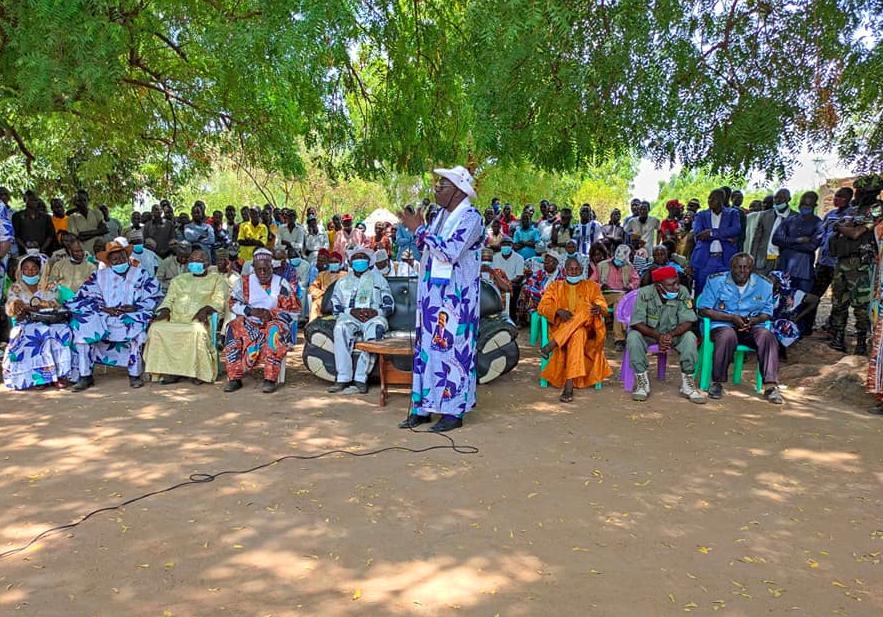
x: 575, y: 310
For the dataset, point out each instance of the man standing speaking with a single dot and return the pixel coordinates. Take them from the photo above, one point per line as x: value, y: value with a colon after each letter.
x: 447, y: 303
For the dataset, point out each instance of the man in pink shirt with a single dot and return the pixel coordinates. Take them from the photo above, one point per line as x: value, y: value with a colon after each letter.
x: 617, y: 277
x: 348, y: 237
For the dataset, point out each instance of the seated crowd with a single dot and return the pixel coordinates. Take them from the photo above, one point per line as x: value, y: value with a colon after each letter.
x: 159, y: 294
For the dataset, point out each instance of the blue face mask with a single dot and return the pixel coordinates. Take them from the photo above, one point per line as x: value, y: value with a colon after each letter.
x: 573, y: 280
x: 506, y: 251
x: 295, y: 261
x: 670, y: 295
x: 334, y: 267
x: 196, y: 267
x: 361, y: 265
x: 120, y: 268
x: 137, y: 248
x: 618, y: 262
x: 806, y: 209
x: 31, y: 280
x: 571, y: 253
x: 781, y: 207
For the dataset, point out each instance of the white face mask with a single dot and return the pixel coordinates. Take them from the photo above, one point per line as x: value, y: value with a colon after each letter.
x: 277, y: 263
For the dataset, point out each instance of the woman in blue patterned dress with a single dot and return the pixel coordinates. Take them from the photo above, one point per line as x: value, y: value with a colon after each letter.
x: 39, y: 354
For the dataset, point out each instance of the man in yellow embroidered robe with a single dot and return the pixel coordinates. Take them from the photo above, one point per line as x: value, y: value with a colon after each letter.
x: 575, y: 309
x: 179, y: 341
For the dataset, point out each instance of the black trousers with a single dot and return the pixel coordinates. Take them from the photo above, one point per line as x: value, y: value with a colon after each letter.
x: 824, y: 277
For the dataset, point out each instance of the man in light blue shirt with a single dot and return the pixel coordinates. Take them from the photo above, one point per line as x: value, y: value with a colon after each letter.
x: 406, y: 241
x: 738, y: 303
x: 526, y: 237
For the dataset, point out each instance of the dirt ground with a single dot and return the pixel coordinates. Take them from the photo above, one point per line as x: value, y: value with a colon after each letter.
x: 604, y: 507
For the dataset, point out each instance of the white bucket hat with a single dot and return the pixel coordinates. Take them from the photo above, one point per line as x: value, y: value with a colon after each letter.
x: 460, y: 177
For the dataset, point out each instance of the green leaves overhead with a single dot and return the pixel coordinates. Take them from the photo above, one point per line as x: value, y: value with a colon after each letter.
x: 128, y: 93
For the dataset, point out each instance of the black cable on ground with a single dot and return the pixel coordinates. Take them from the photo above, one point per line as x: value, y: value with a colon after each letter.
x: 205, y: 478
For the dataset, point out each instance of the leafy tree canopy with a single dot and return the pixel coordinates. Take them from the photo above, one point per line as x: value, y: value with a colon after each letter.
x: 131, y: 93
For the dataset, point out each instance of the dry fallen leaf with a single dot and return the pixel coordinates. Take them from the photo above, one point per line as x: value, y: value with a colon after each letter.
x: 357, y: 594
x: 812, y: 563
x: 169, y: 565
x: 704, y: 549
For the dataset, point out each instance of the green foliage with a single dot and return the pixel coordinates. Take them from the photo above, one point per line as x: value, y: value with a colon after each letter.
x: 118, y: 95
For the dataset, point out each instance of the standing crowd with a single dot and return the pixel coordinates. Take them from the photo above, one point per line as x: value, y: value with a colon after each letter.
x: 173, y: 294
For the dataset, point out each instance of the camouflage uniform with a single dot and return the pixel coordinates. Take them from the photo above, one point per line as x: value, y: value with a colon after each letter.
x: 851, y: 286
x: 855, y: 264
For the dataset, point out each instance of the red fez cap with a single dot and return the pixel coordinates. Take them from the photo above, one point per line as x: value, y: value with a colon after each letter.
x: 347, y: 218
x: 660, y: 274
x: 323, y: 252
x: 672, y: 203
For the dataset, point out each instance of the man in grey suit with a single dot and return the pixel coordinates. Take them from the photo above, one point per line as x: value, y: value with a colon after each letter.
x: 766, y: 253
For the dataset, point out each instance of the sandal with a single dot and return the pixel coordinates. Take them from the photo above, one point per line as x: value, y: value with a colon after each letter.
x: 566, y: 397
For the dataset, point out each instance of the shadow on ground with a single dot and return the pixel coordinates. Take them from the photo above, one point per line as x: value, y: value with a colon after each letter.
x: 602, y: 507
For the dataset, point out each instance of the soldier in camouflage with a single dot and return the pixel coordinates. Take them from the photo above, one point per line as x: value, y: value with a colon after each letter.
x: 854, y: 246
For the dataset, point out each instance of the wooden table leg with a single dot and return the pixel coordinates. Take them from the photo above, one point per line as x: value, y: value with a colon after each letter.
x: 382, y: 359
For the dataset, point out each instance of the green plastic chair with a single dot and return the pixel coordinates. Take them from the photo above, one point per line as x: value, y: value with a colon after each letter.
x: 706, y: 360
x: 539, y: 331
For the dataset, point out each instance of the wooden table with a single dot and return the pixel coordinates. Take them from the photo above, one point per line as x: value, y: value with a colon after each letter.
x: 389, y: 373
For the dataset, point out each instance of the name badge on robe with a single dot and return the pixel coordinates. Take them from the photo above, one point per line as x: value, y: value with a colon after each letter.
x: 441, y: 272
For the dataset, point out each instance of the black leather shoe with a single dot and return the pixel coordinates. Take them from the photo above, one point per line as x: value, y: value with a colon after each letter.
x: 447, y: 423
x: 716, y: 391
x: 876, y: 410
x: 136, y: 382
x: 233, y: 385
x: 167, y: 380
x: 339, y: 386
x: 83, y: 383
x: 413, y: 421
x: 269, y: 387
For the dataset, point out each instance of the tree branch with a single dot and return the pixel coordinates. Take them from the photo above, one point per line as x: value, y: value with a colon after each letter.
x: 176, y: 48
x: 22, y: 147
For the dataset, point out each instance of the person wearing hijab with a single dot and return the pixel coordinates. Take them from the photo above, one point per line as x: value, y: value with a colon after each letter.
x: 575, y: 309
x: 110, y: 315
x: 264, y: 306
x: 361, y: 300
x: 617, y: 277
x: 535, y: 285
x: 39, y: 353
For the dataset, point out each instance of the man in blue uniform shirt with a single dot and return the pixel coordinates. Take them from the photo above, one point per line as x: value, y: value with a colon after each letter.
x: 738, y: 303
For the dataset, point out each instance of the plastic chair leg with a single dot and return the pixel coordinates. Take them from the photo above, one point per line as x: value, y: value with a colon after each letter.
x: 661, y: 361
x: 281, y: 378
x: 738, y: 365
x: 598, y: 385
x: 626, y: 372
x: 534, y: 328
x: 703, y: 367
x: 759, y: 386
x: 544, y: 340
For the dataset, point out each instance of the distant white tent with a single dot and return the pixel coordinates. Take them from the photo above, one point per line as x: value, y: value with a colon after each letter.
x: 379, y: 215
